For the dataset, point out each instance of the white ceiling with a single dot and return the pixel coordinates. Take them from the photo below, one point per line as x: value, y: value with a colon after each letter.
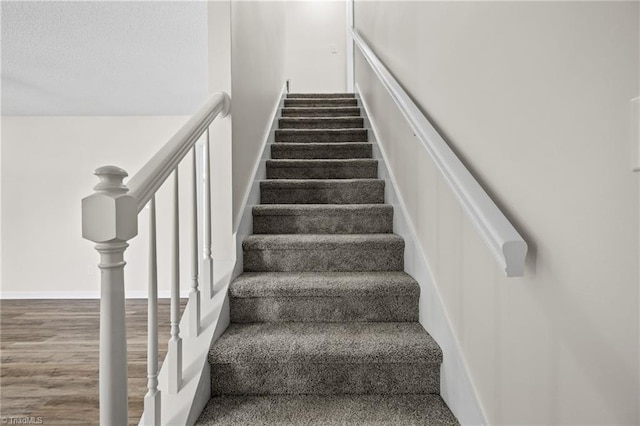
x: 103, y: 57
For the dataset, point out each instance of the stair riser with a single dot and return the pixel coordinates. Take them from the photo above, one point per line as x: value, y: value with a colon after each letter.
x: 368, y: 171
x: 328, y: 410
x: 348, y: 193
x: 342, y: 258
x: 319, y: 95
x: 321, y: 112
x: 301, y: 136
x: 338, y: 123
x: 324, y: 309
x: 324, y: 379
x: 282, y: 151
x: 340, y: 102
x: 325, y: 223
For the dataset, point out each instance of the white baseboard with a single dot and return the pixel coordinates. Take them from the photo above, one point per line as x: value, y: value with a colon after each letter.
x: 80, y: 294
x: 456, y: 386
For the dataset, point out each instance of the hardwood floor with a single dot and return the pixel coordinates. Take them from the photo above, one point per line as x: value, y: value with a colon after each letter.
x: 49, y: 359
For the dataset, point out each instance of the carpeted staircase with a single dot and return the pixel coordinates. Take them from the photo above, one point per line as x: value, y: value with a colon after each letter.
x: 324, y: 320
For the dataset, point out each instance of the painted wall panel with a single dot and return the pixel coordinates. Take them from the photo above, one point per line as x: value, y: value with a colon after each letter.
x: 315, y: 45
x: 257, y: 67
x: 534, y: 97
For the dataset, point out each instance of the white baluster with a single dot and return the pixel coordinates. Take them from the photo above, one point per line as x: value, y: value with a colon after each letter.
x: 194, y: 294
x: 152, y: 399
x: 175, y: 342
x: 208, y: 260
x: 109, y: 218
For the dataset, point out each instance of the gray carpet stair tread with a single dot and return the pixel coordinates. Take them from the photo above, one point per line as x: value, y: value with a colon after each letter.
x: 338, y: 111
x: 322, y: 209
x: 321, y: 241
x: 321, y: 135
x: 359, y: 162
x: 333, y: 150
x: 320, y: 122
x: 320, y: 102
x: 322, y: 191
x: 317, y: 183
x: 322, y: 219
x: 321, y: 95
x: 322, y: 169
x: 326, y: 343
x: 328, y: 410
x: 323, y: 284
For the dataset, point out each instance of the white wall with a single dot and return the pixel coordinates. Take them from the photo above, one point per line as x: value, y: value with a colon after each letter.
x: 219, y: 61
x: 47, y: 167
x: 257, y: 65
x: 535, y: 99
x: 103, y: 57
x: 315, y: 45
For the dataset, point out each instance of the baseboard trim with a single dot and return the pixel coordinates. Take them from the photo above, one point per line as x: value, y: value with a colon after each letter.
x: 456, y: 385
x: 79, y: 295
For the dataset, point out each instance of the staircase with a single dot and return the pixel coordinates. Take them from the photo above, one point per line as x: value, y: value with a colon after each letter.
x: 324, y: 320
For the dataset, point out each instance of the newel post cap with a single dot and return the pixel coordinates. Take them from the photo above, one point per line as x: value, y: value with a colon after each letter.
x: 111, y: 180
x: 110, y: 214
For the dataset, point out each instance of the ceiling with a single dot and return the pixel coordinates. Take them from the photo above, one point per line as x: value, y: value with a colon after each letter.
x: 103, y: 57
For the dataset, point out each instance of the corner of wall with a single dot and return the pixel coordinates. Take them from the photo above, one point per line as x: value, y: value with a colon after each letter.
x: 244, y: 220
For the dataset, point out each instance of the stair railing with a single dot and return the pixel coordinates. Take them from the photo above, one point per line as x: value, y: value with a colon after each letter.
x: 110, y: 219
x: 502, y: 239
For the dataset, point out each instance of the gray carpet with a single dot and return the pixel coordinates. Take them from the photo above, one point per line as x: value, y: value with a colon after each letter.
x: 361, y: 410
x: 324, y: 320
x: 322, y: 219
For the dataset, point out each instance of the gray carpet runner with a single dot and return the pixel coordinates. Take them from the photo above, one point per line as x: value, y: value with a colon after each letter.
x: 324, y: 321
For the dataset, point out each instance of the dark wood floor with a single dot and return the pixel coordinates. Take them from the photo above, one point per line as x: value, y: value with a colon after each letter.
x: 49, y: 358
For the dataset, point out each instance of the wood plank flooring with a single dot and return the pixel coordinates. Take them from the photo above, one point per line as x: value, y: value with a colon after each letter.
x: 49, y: 358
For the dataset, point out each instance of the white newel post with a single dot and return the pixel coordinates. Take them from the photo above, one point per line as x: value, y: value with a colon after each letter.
x: 110, y: 219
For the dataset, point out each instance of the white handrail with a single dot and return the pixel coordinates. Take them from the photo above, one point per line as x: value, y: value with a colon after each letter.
x: 146, y: 182
x: 110, y: 219
x: 504, y: 242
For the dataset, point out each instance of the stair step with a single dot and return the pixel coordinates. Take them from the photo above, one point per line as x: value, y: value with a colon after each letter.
x: 320, y: 102
x: 322, y: 191
x: 321, y: 112
x: 323, y: 297
x: 321, y: 135
x: 322, y: 169
x: 323, y: 219
x: 335, y: 150
x: 327, y: 410
x: 321, y: 123
x: 320, y: 95
x: 325, y: 358
x: 316, y: 252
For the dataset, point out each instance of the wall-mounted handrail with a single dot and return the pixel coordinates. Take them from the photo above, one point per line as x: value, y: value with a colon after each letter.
x: 110, y: 219
x: 504, y: 242
x: 146, y: 182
